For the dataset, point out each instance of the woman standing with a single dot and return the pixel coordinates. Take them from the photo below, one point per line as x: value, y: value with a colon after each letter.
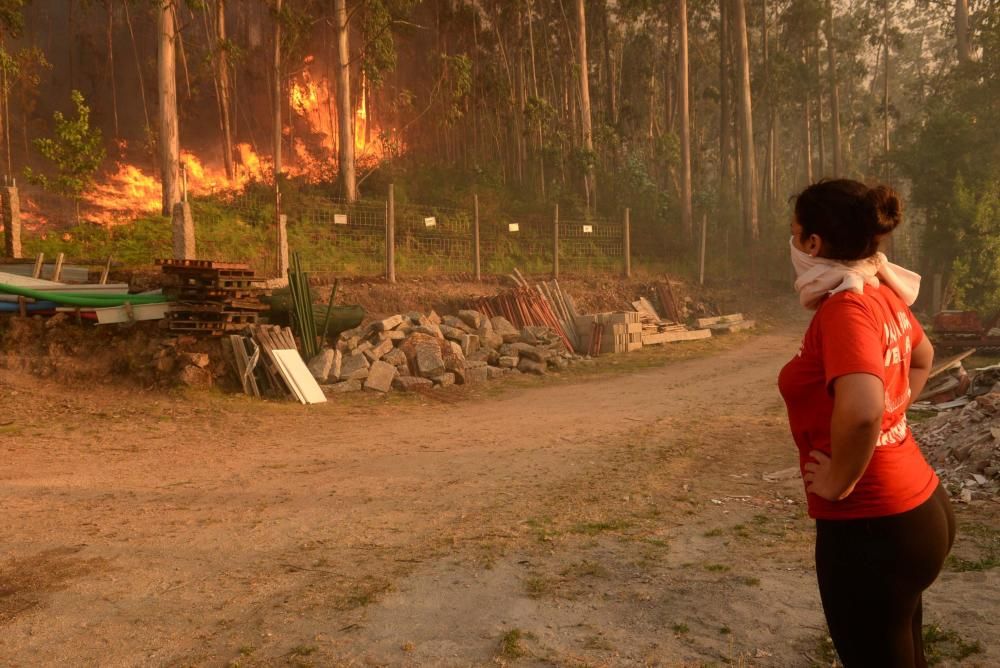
x: 884, y: 524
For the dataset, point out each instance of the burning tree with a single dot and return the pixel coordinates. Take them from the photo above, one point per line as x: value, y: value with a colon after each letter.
x: 76, y: 151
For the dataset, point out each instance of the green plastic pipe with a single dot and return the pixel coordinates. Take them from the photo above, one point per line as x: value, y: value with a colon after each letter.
x: 71, y: 299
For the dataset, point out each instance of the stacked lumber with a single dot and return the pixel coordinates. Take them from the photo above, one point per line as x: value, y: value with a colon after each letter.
x: 212, y: 297
x: 727, y: 324
x: 657, y: 331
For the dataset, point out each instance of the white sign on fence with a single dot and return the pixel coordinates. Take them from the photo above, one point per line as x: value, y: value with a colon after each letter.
x: 430, y: 222
x: 588, y: 229
x: 340, y: 219
x: 513, y: 227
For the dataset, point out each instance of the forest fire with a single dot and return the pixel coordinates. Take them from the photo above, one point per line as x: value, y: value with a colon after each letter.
x: 131, y: 191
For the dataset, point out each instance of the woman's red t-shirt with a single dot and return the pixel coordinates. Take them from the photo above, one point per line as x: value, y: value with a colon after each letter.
x: 871, y: 333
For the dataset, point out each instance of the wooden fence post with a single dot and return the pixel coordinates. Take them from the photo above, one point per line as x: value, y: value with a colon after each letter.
x: 555, y: 244
x: 390, y: 236
x: 627, y: 242
x: 475, y: 237
x: 701, y: 260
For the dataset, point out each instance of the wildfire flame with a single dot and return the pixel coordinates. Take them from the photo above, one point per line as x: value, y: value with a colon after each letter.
x: 129, y: 191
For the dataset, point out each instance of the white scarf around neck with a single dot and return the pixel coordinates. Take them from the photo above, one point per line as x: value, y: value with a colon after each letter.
x: 818, y: 277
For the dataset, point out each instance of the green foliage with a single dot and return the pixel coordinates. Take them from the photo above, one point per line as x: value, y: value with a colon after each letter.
x: 976, y: 269
x: 75, y: 149
x: 11, y: 16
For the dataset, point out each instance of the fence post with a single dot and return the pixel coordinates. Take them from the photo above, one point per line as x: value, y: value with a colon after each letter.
x: 555, y: 244
x: 701, y: 260
x: 390, y: 236
x: 627, y: 242
x: 282, y: 244
x: 475, y: 236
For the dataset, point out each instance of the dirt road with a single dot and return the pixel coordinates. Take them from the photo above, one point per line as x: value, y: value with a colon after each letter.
x: 603, y: 519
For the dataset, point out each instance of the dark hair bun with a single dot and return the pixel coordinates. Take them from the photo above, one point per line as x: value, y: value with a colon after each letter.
x: 888, y: 208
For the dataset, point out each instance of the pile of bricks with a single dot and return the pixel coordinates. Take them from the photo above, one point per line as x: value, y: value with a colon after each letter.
x: 416, y: 351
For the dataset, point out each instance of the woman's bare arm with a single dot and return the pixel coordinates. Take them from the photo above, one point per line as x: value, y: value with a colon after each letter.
x: 858, y: 406
x: 921, y: 361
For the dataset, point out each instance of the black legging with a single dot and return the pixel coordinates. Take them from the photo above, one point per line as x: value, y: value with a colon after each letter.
x: 872, y: 573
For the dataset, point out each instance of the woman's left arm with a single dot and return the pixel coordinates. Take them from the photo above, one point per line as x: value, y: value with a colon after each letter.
x: 858, y: 405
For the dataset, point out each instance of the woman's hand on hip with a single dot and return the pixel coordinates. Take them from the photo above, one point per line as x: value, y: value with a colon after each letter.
x: 820, y: 480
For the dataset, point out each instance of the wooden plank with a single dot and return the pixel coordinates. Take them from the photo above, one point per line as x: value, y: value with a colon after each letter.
x: 950, y: 363
x: 57, y: 270
x: 105, y: 271
x: 298, y: 376
x: 39, y: 263
x: 673, y: 337
x: 721, y: 319
x: 119, y: 314
x: 732, y: 327
x: 245, y: 365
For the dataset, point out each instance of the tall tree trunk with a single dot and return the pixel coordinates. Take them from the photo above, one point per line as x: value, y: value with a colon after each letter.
x: 962, y: 31
x: 222, y: 74
x: 111, y: 64
x: 820, y: 133
x: 277, y: 93
x: 725, y: 106
x: 536, y: 95
x: 610, y: 65
x: 885, y: 91
x: 831, y: 53
x: 686, y: 213
x: 138, y: 66
x: 588, y: 128
x: 169, y: 131
x: 345, y: 117
x: 748, y: 175
x: 807, y: 138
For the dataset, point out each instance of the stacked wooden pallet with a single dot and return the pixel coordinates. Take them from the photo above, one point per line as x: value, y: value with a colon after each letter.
x: 211, y: 297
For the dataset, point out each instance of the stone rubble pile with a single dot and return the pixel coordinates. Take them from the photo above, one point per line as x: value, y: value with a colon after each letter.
x: 416, y: 351
x: 963, y: 446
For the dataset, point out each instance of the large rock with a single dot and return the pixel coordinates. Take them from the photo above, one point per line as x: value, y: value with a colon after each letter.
x: 195, y: 376
x: 495, y: 373
x: 200, y: 360
x: 379, y: 350
x: 412, y: 383
x: 508, y: 362
x: 473, y: 319
x: 343, y: 387
x: 472, y: 375
x: 452, y: 333
x: 380, y: 377
x: 434, y: 317
x: 353, y: 367
x: 456, y: 350
x: 527, y: 351
x: 395, y: 357
x: 389, y: 323
x: 470, y: 344
x: 489, y: 339
x: 508, y: 332
x: 531, y: 366
x: 429, y: 360
x: 321, y: 365
x: 430, y: 329
x: 457, y: 323
x: 537, y: 335
x: 444, y: 380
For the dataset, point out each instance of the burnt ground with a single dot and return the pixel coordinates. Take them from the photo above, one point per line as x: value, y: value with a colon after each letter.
x: 616, y: 515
